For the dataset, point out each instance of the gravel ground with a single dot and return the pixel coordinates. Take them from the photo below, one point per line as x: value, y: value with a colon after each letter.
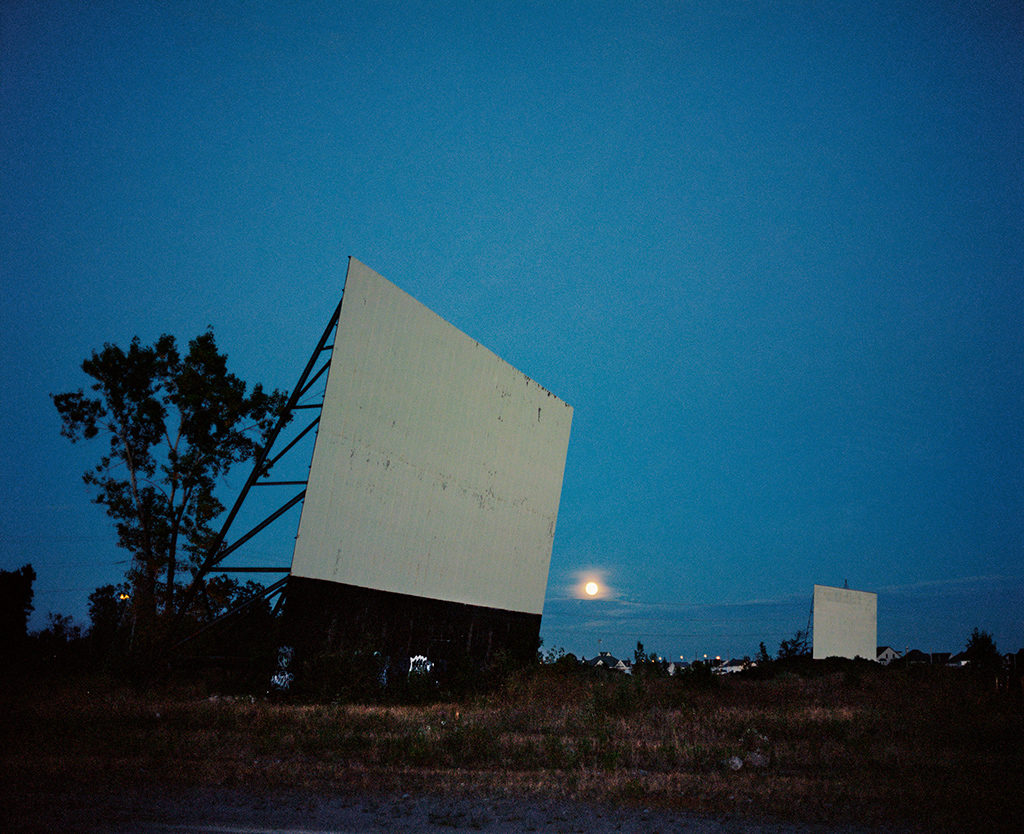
x: 234, y: 811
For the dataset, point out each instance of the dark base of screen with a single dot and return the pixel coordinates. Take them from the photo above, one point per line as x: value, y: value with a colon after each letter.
x: 327, y: 617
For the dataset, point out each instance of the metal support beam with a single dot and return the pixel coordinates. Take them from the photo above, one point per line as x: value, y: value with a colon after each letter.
x: 295, y: 440
x: 213, y: 554
x: 268, y: 520
x: 276, y: 588
x: 317, y: 375
x: 216, y: 551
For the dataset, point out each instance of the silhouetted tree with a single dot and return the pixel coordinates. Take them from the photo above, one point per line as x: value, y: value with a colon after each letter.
x: 174, y: 424
x: 108, y: 615
x: 15, y: 607
x: 59, y: 644
x: 982, y: 653
x: 798, y: 646
x: 647, y: 664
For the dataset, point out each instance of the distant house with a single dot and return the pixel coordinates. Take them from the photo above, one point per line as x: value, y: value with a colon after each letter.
x: 959, y: 659
x: 606, y: 660
x: 675, y: 668
x: 916, y: 656
x: 735, y: 665
x: 886, y: 655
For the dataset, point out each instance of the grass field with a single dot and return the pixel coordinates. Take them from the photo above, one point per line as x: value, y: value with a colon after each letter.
x: 927, y: 748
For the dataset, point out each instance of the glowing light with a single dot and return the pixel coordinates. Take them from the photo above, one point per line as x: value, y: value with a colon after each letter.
x: 591, y: 588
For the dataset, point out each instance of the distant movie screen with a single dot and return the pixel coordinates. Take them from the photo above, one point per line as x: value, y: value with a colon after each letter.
x: 845, y: 623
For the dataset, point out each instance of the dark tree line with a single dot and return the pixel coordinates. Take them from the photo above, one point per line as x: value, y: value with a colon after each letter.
x: 104, y: 644
x: 15, y: 609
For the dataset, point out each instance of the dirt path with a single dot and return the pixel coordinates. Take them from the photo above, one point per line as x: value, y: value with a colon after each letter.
x: 237, y: 811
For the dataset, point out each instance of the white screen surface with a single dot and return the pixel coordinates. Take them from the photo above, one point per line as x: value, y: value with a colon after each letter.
x: 437, y: 469
x: 845, y: 623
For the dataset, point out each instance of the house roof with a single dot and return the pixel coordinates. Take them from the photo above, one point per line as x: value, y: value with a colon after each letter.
x: 604, y: 659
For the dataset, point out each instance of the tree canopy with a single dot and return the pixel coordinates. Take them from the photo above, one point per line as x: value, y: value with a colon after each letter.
x: 15, y: 607
x: 798, y: 646
x: 174, y: 424
x: 982, y: 652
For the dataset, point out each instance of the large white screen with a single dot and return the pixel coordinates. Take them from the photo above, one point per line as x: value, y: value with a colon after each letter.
x: 437, y: 469
x: 845, y: 623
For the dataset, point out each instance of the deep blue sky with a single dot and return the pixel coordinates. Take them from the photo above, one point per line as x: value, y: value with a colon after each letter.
x: 770, y: 252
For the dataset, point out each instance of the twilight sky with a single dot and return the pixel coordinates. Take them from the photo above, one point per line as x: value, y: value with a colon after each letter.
x: 770, y: 252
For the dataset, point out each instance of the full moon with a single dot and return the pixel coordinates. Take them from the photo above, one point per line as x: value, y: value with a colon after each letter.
x: 591, y: 588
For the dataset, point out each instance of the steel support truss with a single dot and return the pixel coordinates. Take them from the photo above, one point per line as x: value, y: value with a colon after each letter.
x: 218, y: 550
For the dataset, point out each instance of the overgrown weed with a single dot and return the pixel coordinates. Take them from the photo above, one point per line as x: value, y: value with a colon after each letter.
x: 864, y: 743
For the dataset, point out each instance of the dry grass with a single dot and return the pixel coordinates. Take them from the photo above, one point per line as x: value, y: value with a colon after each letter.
x: 876, y: 746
